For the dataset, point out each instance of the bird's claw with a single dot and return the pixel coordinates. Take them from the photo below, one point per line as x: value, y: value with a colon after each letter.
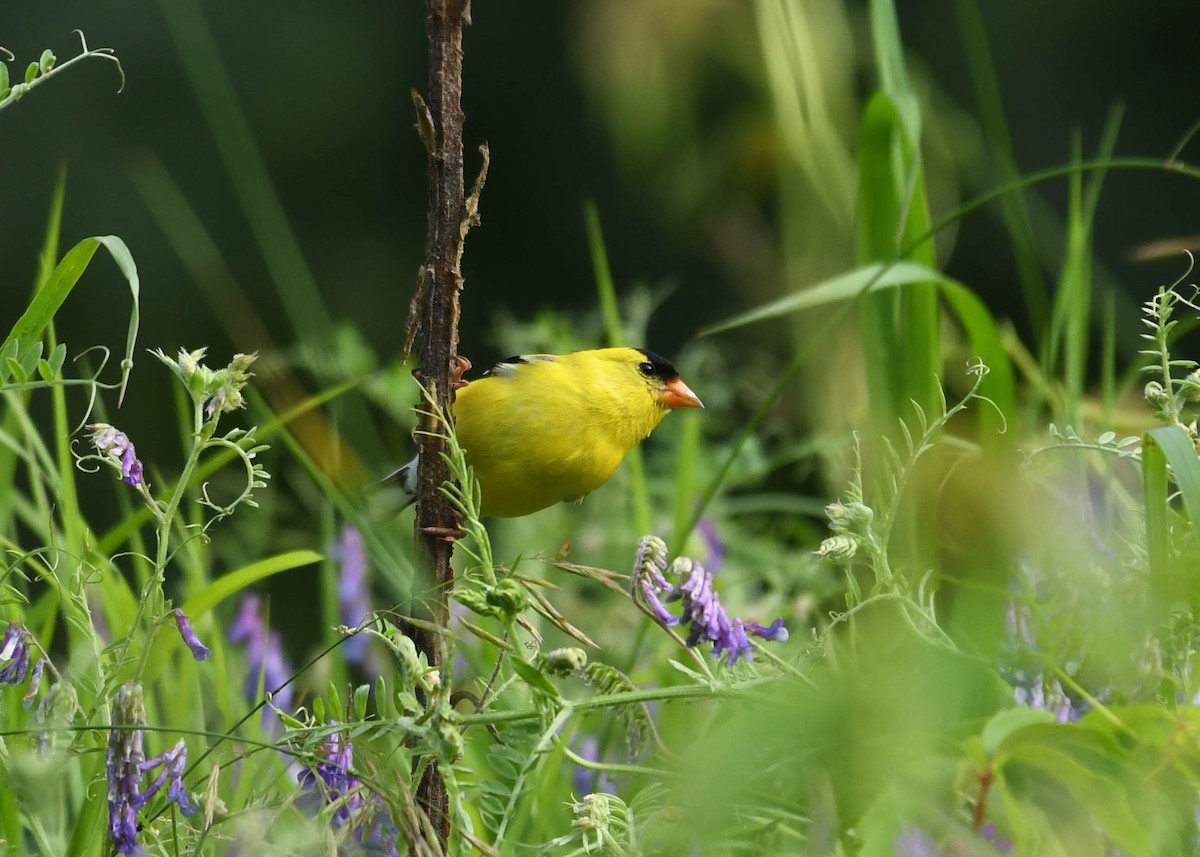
x: 459, y: 366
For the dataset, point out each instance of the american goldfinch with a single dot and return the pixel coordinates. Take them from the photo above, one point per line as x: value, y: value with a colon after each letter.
x: 540, y: 429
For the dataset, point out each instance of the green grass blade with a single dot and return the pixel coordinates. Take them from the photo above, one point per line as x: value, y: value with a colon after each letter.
x: 53, y: 229
x: 50, y: 297
x: 62, y: 280
x: 1154, y: 495
x: 977, y: 321
x: 1019, y: 225
x: 1180, y: 454
x: 263, y: 210
x: 613, y: 329
x: 235, y: 581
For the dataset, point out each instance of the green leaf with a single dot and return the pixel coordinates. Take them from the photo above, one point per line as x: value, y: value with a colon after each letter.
x: 3, y: 79
x: 235, y: 581
x: 57, y: 358
x: 47, y: 61
x: 1107, y: 801
x: 362, y: 695
x: 30, y: 357
x: 534, y: 677
x: 31, y: 72
x: 383, y: 702
x: 335, y: 702
x: 1005, y: 723
x: 1180, y: 452
x: 15, y: 370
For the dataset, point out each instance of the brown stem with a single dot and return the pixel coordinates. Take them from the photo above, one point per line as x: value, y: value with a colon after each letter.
x: 436, y: 309
x: 979, y: 814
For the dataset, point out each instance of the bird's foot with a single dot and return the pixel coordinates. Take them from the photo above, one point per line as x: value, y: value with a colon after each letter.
x: 460, y: 368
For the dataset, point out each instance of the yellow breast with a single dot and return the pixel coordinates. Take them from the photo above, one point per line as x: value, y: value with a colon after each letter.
x: 550, y: 430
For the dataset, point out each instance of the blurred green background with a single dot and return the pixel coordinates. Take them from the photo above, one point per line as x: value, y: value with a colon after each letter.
x: 658, y: 110
x: 716, y: 138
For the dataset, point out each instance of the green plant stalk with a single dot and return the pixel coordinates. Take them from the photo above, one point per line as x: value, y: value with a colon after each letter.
x: 18, y: 91
x: 152, y: 593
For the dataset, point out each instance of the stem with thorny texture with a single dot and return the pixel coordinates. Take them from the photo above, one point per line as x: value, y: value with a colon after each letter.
x: 434, y: 313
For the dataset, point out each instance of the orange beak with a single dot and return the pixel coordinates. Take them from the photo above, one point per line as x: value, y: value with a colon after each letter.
x: 675, y: 394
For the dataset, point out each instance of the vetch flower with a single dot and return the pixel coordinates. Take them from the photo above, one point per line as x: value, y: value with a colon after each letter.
x: 199, y: 651
x: 14, y: 648
x: 354, y: 605
x: 123, y: 762
x: 264, y: 654
x: 775, y: 632
x: 702, y: 609
x: 225, y: 389
x: 172, y: 763
x: 587, y: 780
x: 648, y: 566
x: 126, y: 763
x: 118, y: 449
x: 333, y: 779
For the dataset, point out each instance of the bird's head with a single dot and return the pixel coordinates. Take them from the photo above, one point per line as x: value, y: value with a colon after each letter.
x: 663, y: 379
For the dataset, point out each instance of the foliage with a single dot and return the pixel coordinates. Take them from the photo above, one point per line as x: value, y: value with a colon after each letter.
x: 986, y: 644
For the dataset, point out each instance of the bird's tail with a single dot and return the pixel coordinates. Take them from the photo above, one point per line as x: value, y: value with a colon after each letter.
x: 406, y: 478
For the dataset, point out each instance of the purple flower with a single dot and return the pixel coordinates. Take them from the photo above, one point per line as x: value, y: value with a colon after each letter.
x: 171, y: 764
x: 118, y: 448
x: 14, y: 648
x: 126, y: 762
x: 1003, y: 844
x: 586, y: 780
x: 353, y: 589
x: 702, y: 610
x: 332, y: 779
x: 775, y: 632
x: 199, y: 650
x: 265, y: 657
x: 914, y: 842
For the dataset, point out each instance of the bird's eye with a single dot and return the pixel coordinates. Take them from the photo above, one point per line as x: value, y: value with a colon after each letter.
x: 646, y: 369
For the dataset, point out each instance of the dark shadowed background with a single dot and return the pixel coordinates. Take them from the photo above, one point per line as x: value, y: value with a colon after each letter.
x: 662, y: 112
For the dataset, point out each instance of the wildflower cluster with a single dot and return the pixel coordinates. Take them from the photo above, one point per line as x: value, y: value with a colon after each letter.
x: 219, y: 391
x: 333, y: 780
x: 126, y: 763
x: 852, y: 531
x: 702, y: 609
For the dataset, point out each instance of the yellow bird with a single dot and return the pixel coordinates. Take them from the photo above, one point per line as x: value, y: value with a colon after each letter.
x: 541, y: 429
